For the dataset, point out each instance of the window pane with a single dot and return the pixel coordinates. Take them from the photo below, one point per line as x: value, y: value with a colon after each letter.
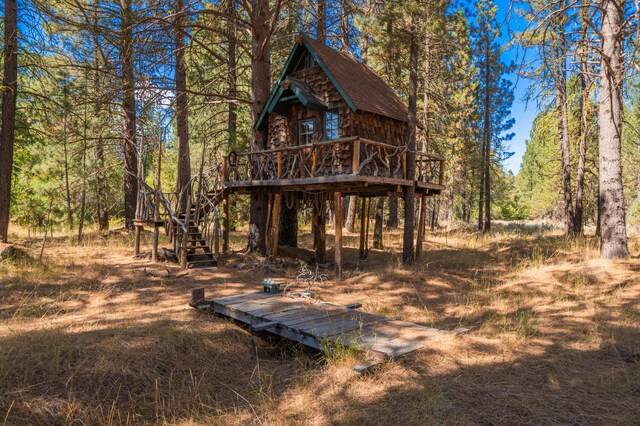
x: 306, y: 130
x: 331, y: 125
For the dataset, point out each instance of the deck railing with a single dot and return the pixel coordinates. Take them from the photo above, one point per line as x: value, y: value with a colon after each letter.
x: 347, y: 156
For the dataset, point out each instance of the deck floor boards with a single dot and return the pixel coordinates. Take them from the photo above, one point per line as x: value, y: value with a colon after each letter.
x: 314, y: 324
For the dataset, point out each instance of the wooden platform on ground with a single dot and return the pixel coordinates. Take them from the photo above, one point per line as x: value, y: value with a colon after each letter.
x: 316, y: 324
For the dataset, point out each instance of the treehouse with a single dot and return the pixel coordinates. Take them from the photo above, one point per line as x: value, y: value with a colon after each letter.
x: 330, y: 128
x: 333, y: 128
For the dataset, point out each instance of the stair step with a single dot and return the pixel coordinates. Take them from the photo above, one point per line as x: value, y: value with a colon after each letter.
x: 199, y: 256
x: 202, y: 263
x: 192, y: 250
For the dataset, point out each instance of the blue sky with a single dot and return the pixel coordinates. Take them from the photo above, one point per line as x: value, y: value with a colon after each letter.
x: 524, y: 114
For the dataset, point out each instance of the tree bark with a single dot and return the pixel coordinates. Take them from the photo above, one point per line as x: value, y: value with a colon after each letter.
x: 183, y: 175
x: 321, y: 21
x: 260, y: 87
x: 563, y: 127
x: 584, y: 126
x: 408, y: 252
x: 130, y: 141
x: 344, y: 25
x: 289, y: 221
x: 9, y: 95
x: 486, y: 227
x: 392, y: 219
x: 350, y: 223
x: 612, y: 217
x: 377, y: 227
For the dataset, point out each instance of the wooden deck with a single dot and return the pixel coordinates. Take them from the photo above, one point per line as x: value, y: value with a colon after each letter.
x: 316, y: 324
x: 371, y: 186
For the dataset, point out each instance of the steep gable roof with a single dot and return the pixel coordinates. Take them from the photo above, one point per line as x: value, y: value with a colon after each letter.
x: 366, y: 90
x: 358, y: 84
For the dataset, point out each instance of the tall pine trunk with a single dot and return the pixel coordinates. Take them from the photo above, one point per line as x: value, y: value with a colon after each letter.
x: 584, y: 123
x: 9, y: 95
x: 260, y: 87
x: 408, y: 250
x: 486, y: 193
x: 612, y: 213
x: 563, y: 126
x: 130, y: 143
x: 350, y: 223
x: 183, y: 175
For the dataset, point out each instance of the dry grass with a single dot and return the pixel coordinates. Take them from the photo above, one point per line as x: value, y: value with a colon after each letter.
x: 87, y: 337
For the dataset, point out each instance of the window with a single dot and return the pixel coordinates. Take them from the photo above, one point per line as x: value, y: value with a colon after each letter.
x: 331, y: 124
x: 306, y: 130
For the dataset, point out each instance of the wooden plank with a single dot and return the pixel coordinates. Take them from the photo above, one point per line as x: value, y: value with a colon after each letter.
x: 264, y: 326
x: 242, y: 297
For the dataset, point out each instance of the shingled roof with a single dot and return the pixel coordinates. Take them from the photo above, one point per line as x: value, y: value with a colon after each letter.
x: 360, y: 86
x: 366, y: 90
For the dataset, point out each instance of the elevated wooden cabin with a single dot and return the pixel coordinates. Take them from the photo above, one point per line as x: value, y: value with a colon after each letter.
x: 335, y: 128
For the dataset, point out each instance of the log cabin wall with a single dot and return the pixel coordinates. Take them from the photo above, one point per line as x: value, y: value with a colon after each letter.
x: 378, y: 128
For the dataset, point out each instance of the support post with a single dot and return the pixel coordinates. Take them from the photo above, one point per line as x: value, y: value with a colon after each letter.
x: 319, y: 219
x: 136, y: 245
x: 355, y: 160
x: 362, y: 253
x: 421, y: 225
x: 225, y: 230
x: 156, y: 236
x: 275, y: 224
x: 185, y: 235
x: 339, y: 213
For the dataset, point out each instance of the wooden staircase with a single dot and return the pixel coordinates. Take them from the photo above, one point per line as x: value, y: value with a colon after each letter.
x: 199, y: 254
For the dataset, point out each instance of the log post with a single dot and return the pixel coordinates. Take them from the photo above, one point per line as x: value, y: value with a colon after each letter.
x: 156, y: 236
x: 355, y: 159
x: 339, y: 214
x: 136, y: 244
x: 225, y: 172
x: 225, y: 230
x: 441, y: 176
x: 366, y: 231
x: 185, y: 236
x: 279, y: 162
x: 362, y: 253
x: 275, y: 224
x: 421, y: 225
x: 319, y: 220
x: 404, y: 165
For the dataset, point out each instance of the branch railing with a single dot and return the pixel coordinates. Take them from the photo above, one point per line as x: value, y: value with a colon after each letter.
x: 346, y: 156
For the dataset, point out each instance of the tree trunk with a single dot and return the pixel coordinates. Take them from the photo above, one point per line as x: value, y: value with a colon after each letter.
x: 344, y: 25
x: 563, y: 127
x: 584, y: 126
x: 232, y: 120
x: 260, y: 88
x: 350, y: 223
x: 408, y: 252
x: 321, y: 21
x: 289, y: 220
x: 130, y: 147
x: 377, y: 227
x: 613, y: 221
x: 392, y: 219
x: 487, y: 143
x: 9, y: 94
x: 66, y: 161
x: 183, y: 175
